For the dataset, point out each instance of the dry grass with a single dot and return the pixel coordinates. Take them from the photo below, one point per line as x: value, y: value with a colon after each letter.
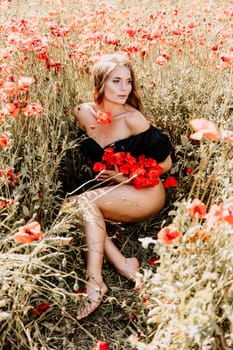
x: 186, y: 300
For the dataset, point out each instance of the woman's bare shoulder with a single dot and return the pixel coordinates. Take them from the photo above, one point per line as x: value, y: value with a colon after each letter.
x: 81, y: 112
x: 136, y: 121
x: 83, y: 108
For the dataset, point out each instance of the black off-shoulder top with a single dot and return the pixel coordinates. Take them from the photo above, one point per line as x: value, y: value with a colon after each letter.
x: 151, y: 143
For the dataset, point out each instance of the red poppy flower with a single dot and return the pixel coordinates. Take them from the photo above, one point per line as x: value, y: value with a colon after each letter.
x: 162, y: 60
x: 80, y: 291
x: 228, y: 135
x: 130, y: 160
x: 219, y: 212
x: 4, y: 141
x: 32, y: 109
x: 6, y: 202
x: 28, y: 233
x: 154, y: 173
x: 10, y: 88
x: 133, y: 316
x: 226, y: 59
x: 109, y: 157
x: 197, y: 208
x: 204, y: 128
x: 170, y: 181
x: 228, y: 215
x: 131, y: 32
x: 138, y: 171
x: 119, y: 158
x: 41, y: 308
x: 101, y: 345
x: 148, y: 162
x: 169, y: 235
x: 214, y: 48
x: 190, y: 170
x: 56, y: 65
x: 7, y: 172
x: 140, y: 182
x: 124, y: 169
x: 143, y: 172
x: 111, y: 39
x: 103, y: 117
x: 12, y: 109
x: 25, y: 82
x: 153, y: 261
x: 99, y: 166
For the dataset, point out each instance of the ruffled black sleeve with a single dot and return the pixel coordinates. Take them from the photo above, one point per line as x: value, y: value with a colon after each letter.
x: 90, y: 147
x: 152, y: 143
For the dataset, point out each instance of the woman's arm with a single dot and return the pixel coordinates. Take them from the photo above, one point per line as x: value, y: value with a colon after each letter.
x: 166, y: 164
x: 79, y: 114
x: 138, y: 123
x: 116, y: 177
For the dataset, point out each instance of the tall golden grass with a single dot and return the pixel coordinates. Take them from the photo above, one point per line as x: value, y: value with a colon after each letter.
x: 183, y: 55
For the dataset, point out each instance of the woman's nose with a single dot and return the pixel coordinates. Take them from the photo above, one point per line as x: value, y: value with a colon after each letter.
x: 123, y: 86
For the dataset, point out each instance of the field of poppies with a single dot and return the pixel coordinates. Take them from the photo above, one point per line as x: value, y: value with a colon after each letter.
x: 182, y: 51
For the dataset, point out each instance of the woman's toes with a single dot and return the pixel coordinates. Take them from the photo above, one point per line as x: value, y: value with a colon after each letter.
x: 94, y: 298
x: 138, y: 279
x: 87, y: 309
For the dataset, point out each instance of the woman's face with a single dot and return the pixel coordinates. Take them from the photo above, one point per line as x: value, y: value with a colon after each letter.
x: 118, y: 85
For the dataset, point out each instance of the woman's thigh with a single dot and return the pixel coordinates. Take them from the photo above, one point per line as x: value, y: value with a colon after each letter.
x: 127, y: 204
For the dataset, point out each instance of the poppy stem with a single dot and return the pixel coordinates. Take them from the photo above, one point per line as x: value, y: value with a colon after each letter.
x: 107, y: 180
x: 115, y: 186
x: 85, y: 183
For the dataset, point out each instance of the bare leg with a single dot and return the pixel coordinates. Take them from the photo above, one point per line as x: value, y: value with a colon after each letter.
x: 127, y: 267
x: 124, y: 204
x: 95, y: 233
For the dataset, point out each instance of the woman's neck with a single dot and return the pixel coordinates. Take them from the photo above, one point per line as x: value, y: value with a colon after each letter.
x: 114, y: 109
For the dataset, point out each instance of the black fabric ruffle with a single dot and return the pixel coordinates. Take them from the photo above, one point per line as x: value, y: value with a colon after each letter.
x: 152, y: 143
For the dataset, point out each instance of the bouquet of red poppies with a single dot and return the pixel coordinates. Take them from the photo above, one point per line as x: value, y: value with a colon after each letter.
x: 143, y: 172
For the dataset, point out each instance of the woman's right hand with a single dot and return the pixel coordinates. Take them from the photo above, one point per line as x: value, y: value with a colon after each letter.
x: 112, y: 175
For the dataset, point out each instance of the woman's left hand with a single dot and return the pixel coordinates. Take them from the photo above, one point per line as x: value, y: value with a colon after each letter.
x: 112, y: 175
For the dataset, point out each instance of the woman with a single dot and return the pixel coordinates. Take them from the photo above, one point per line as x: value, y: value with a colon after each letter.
x: 115, y: 120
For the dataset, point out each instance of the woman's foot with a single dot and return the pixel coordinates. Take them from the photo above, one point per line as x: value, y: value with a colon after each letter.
x: 130, y: 270
x: 95, y: 292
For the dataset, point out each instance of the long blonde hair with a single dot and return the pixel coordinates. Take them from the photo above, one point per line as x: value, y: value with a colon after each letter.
x: 101, y: 71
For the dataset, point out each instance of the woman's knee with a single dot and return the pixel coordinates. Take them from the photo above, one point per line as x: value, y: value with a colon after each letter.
x: 69, y: 202
x: 77, y: 200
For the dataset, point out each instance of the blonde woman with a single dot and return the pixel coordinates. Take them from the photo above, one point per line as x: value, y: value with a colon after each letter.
x: 115, y: 119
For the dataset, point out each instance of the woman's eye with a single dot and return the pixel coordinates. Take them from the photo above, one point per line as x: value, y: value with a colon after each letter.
x: 116, y: 81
